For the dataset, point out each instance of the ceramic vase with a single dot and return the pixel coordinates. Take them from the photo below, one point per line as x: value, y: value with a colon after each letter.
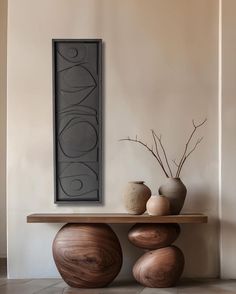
x: 158, y: 205
x: 136, y: 196
x: 175, y: 190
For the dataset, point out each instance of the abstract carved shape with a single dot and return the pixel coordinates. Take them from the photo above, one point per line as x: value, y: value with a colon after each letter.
x: 73, y: 54
x: 87, y: 255
x: 73, y: 145
x: 153, y: 236
x: 159, y: 268
x: 77, y: 78
x: 76, y: 184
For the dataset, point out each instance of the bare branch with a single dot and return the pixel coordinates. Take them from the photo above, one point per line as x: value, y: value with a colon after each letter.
x: 156, y: 147
x: 164, y: 152
x: 195, y: 146
x: 175, y: 163
x: 157, y: 151
x: 190, y: 152
x: 158, y: 156
x: 182, y: 160
x: 150, y: 150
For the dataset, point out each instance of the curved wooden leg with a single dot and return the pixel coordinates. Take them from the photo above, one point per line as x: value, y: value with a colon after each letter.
x: 162, y: 267
x: 87, y: 255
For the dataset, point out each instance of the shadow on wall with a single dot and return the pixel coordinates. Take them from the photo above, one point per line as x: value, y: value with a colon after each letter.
x: 130, y: 252
x: 193, y: 241
x: 197, y: 199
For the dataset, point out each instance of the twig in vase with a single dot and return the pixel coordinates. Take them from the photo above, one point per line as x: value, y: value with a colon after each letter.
x: 150, y: 150
x: 185, y: 155
x: 163, y: 150
x: 174, y: 161
x: 157, y: 151
x: 157, y: 139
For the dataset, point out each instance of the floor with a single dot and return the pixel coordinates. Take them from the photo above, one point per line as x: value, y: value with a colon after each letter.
x: 57, y: 286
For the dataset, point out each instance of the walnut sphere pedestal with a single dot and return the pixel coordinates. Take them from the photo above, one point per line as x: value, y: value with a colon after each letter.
x: 88, y: 254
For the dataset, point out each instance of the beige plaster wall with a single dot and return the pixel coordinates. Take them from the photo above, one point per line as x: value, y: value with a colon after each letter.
x: 160, y: 71
x: 228, y: 199
x: 3, y: 98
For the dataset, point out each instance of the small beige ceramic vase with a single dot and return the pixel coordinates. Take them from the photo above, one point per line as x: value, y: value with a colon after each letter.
x: 136, y: 196
x: 158, y: 205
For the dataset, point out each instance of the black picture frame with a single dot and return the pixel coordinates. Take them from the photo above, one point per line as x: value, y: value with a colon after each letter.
x: 77, y: 93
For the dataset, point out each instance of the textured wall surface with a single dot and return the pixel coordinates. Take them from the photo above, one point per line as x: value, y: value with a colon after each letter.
x: 160, y: 71
x: 3, y: 94
x: 228, y: 199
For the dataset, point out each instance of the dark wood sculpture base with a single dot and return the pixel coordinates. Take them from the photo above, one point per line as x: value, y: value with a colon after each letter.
x: 162, y: 267
x: 87, y: 255
x: 87, y: 252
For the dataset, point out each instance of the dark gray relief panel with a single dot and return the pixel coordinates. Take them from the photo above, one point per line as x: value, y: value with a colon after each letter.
x: 77, y: 119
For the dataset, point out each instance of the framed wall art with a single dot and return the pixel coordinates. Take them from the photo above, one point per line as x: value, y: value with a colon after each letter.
x: 77, y: 87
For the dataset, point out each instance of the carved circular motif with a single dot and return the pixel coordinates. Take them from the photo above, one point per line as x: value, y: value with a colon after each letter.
x: 76, y: 184
x: 72, y: 52
x: 78, y: 137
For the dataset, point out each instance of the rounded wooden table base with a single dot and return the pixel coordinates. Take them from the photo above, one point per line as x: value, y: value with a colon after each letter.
x: 87, y: 255
x: 159, y: 268
x: 162, y: 267
x: 153, y: 236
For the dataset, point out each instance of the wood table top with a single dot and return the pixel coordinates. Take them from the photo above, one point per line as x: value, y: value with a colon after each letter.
x: 115, y: 218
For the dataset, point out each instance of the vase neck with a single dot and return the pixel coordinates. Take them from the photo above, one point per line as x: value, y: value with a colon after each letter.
x: 137, y: 182
x: 173, y: 178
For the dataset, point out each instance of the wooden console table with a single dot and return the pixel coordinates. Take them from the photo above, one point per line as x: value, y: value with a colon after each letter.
x: 88, y: 254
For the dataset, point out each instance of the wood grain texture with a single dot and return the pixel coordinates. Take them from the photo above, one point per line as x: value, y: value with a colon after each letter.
x: 115, y: 218
x: 153, y: 236
x: 159, y: 268
x: 87, y: 256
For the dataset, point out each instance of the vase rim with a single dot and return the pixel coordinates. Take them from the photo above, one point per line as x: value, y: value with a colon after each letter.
x: 136, y: 182
x: 158, y: 195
